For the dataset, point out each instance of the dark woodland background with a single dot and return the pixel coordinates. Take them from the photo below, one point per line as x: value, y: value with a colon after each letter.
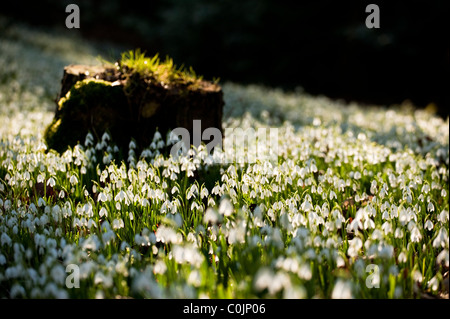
x: 322, y: 46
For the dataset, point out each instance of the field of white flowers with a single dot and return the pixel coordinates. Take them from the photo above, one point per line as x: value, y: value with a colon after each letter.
x: 356, y: 206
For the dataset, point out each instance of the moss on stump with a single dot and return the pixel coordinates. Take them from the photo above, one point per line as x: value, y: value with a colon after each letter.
x: 129, y: 103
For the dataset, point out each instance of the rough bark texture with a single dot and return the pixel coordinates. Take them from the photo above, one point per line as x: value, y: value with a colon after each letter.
x: 99, y: 99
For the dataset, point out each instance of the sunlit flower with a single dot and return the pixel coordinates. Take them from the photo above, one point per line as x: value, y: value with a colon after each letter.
x: 73, y: 180
x: 428, y: 225
x: 433, y: 283
x: 416, y: 236
x: 160, y: 267
x: 118, y: 223
x: 103, y: 212
x: 225, y: 207
x: 441, y: 239
x: 211, y: 216
x: 355, y: 245
x: 342, y: 290
x: 402, y: 257
x: 102, y: 197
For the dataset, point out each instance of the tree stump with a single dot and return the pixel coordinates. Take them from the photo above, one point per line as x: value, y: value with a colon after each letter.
x: 127, y: 105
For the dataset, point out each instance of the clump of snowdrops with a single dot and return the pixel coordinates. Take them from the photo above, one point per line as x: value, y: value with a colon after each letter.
x: 354, y: 206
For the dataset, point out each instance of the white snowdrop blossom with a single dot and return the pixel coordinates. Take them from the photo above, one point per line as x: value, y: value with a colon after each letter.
x: 416, y: 236
x: 102, y: 197
x: 441, y: 239
x: 73, y: 180
x: 118, y: 223
x: 103, y: 212
x: 211, y: 216
x: 355, y: 245
x: 342, y: 290
x: 428, y: 225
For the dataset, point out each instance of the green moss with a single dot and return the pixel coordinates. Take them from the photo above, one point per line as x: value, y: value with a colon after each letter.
x: 91, y: 106
x: 165, y: 72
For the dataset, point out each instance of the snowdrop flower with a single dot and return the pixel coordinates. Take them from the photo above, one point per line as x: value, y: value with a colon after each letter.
x: 102, y: 197
x: 387, y: 228
x: 193, y: 191
x: 265, y: 278
x: 225, y: 207
x: 108, y: 236
x: 89, y: 141
x: 87, y: 208
x: 416, y: 236
x: 157, y: 136
x: 340, y: 262
x: 441, y: 239
x: 105, y: 280
x: 145, y: 202
x: 91, y: 223
x: 160, y: 267
x: 369, y: 223
x: 211, y: 216
x: 120, y: 196
x: 306, y: 206
x: 58, y: 274
x: 106, y: 137
x: 305, y: 272
x: 165, y: 234
x: 103, y: 212
x: 402, y: 257
x: 355, y: 225
x: 187, y: 254
x: 41, y: 202
x: 237, y: 234
x: 196, y: 206
x: 6, y: 240
x: 385, y: 251
x: 40, y: 178
x: 342, y: 290
x: 383, y: 192
x: 51, y: 182
x: 204, y: 193
x: 195, y: 278
x: 2, y: 260
x: 73, y: 180
x: 17, y: 291
x: 433, y: 283
x: 332, y: 195
x: 428, y: 225
x: 32, y: 208
x: 118, y: 224
x: 403, y: 216
x: 174, y: 190
x: 443, y: 257
x: 376, y: 235
x: 443, y: 216
x: 355, y: 245
x: 398, y: 233
x: 144, y: 283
